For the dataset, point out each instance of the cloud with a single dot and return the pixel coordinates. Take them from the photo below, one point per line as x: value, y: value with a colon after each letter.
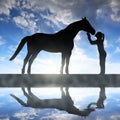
x: 26, y: 21
x: 115, y: 117
x: 6, y: 6
x: 23, y: 115
x: 3, y: 117
x: 59, y: 13
x: 20, y: 21
x: 115, y: 67
x: 65, y: 11
x: 115, y: 6
x: 2, y: 104
x: 33, y: 12
x: 2, y: 41
x: 117, y: 50
x: 58, y: 116
x: 82, y: 63
x: 118, y: 41
x: 2, y: 59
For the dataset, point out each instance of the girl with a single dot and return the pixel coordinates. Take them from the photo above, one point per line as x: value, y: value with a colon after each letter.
x: 100, y: 45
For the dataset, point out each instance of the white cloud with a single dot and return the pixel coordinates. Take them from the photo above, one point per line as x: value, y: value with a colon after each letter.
x: 110, y: 9
x: 65, y: 11
x: 115, y: 117
x: 81, y: 63
x: 20, y: 21
x: 2, y: 105
x: 57, y: 13
x: 78, y: 37
x: 115, y: 6
x: 117, y: 50
x: 58, y: 116
x: 2, y: 59
x: 6, y: 6
x: 4, y: 117
x: 26, y: 21
x: 113, y: 67
x: 118, y: 41
x: 2, y: 42
x: 23, y: 115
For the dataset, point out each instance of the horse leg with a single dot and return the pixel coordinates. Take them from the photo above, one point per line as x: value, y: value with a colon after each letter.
x: 67, y: 62
x: 31, y: 61
x: 62, y: 63
x: 62, y: 93
x: 68, y: 97
x: 25, y: 62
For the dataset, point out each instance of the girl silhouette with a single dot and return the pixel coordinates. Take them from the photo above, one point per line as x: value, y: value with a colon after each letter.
x: 100, y: 45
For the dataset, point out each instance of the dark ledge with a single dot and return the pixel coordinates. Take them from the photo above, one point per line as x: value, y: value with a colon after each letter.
x: 57, y: 80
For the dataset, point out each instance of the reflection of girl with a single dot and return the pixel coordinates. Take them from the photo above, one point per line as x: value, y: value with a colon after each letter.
x: 100, y: 102
x: 100, y: 44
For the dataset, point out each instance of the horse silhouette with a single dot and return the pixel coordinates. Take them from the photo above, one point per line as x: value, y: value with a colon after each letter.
x: 61, y: 41
x: 64, y: 103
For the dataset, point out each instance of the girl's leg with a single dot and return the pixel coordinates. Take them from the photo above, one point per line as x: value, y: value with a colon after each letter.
x: 102, y: 65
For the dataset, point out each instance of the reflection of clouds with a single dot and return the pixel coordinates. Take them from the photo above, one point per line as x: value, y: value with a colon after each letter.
x: 2, y: 41
x: 6, y: 91
x: 26, y: 114
x: 47, y: 92
x: 57, y: 116
x: 44, y: 114
x: 2, y: 104
x: 115, y: 117
x: 4, y: 117
x: 81, y: 93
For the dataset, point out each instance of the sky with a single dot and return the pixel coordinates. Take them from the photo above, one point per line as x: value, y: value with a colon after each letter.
x: 20, y: 18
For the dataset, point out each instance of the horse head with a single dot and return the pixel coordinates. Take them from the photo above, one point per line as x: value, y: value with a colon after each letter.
x: 87, y: 26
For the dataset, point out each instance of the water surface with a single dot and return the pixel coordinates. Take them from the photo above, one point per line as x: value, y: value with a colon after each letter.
x: 95, y: 103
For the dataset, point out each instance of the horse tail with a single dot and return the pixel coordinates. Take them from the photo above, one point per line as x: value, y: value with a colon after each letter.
x: 20, y: 46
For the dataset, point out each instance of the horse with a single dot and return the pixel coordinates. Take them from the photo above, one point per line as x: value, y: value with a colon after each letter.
x: 61, y: 41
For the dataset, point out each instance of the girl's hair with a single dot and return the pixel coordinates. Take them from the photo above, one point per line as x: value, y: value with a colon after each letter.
x: 100, y: 34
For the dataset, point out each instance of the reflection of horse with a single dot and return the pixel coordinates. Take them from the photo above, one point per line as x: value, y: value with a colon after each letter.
x: 63, y: 103
x: 61, y: 41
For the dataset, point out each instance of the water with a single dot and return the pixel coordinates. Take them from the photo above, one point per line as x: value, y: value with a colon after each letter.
x: 75, y: 104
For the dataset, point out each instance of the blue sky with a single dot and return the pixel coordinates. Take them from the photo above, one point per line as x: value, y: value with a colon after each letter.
x: 19, y: 18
